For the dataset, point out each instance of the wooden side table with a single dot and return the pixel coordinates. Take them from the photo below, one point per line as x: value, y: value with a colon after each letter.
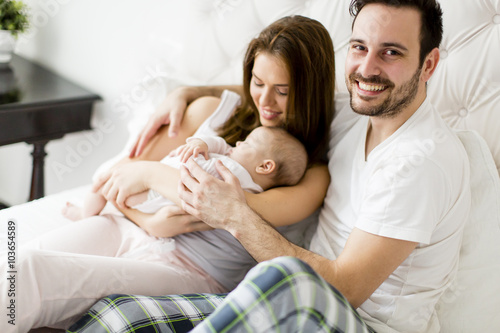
x: 37, y: 106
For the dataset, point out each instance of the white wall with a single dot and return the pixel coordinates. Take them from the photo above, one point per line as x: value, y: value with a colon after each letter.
x: 114, y: 48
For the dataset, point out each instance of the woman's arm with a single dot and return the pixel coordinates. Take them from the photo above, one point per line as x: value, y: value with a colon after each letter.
x: 124, y: 180
x: 169, y: 221
x: 127, y: 179
x: 171, y: 112
x: 161, y: 143
x: 291, y: 204
x: 130, y: 178
x: 279, y: 206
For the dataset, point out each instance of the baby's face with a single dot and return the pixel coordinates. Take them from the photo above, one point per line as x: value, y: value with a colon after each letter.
x: 250, y: 153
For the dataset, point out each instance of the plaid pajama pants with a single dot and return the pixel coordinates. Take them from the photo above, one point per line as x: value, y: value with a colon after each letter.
x: 280, y: 295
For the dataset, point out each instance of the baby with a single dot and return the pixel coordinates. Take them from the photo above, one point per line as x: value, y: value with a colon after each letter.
x: 268, y: 157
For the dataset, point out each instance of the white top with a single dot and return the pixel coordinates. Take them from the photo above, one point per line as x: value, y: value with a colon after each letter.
x: 413, y: 186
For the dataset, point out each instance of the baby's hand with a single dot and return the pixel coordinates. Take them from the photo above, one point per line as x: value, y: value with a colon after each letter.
x: 193, y: 148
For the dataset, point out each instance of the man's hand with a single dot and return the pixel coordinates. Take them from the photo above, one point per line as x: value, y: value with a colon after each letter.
x: 220, y: 204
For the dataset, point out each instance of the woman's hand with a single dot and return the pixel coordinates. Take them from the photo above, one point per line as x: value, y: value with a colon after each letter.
x: 123, y: 180
x: 170, y: 112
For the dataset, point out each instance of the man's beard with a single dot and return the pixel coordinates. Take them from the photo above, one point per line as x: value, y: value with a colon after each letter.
x: 396, y: 102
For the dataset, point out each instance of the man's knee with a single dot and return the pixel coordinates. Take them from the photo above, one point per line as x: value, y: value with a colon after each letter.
x: 281, y: 270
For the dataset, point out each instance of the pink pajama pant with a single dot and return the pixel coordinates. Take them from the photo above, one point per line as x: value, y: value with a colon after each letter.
x: 64, y: 272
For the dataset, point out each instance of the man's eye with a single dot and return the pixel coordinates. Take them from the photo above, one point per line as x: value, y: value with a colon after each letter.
x: 392, y: 52
x: 358, y: 47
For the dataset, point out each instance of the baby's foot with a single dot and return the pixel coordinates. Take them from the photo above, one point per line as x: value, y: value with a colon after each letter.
x: 72, y: 212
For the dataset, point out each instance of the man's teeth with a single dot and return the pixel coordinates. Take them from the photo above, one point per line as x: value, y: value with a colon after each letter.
x: 369, y: 87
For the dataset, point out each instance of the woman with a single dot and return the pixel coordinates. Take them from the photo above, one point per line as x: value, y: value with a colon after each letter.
x: 288, y: 82
x: 303, y: 58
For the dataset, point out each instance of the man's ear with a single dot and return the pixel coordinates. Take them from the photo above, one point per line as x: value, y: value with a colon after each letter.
x: 266, y: 167
x: 430, y: 64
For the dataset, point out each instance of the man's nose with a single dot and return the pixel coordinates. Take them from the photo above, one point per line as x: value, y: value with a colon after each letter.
x: 370, y: 65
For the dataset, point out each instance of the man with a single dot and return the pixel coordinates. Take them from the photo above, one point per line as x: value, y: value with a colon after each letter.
x: 389, y: 234
x: 390, y: 230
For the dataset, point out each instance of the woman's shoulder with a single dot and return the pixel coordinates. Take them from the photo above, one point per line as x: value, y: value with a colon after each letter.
x: 224, y: 107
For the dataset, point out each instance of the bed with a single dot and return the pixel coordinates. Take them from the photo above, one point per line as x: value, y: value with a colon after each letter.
x: 465, y: 88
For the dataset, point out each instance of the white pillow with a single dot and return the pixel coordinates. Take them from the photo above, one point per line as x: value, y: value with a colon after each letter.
x: 472, y: 302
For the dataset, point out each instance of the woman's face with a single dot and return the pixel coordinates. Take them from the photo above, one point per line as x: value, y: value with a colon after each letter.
x: 269, y: 89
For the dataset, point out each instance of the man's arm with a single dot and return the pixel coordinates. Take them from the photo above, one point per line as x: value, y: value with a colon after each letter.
x: 366, y: 261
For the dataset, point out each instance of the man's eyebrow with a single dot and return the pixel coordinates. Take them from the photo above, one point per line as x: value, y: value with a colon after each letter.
x: 387, y: 44
x: 356, y: 40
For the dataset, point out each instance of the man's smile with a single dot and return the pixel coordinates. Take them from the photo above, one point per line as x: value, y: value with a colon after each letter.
x: 371, y: 87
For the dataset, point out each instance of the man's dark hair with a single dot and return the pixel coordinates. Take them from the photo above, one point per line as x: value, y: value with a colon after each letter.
x: 431, y: 31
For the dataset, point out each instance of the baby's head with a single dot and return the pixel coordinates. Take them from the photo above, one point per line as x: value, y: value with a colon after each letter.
x: 272, y: 156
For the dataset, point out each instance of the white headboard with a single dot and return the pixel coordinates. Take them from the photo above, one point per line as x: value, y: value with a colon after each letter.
x: 465, y: 87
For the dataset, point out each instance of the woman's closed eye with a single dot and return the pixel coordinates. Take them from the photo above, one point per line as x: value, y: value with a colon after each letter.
x: 282, y: 92
x: 257, y: 82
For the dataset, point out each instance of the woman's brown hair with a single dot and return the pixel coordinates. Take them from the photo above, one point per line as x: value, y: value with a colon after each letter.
x: 305, y: 47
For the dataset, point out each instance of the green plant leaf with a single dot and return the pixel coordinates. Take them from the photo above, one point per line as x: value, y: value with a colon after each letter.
x: 13, y: 16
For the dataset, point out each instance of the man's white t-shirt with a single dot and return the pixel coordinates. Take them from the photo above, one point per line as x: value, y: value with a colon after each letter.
x: 414, y: 186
